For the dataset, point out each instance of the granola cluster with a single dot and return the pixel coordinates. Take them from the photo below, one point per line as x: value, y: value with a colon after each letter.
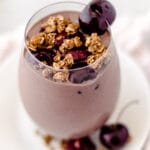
x: 69, y: 44
x: 61, y: 44
x: 95, y: 47
x: 63, y: 64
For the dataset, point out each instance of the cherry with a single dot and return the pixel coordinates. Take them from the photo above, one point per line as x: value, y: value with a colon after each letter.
x: 44, y: 56
x: 81, y: 75
x: 60, y: 38
x: 96, y: 16
x: 79, y: 64
x: 79, y: 54
x: 81, y: 144
x: 103, y: 8
x: 114, y: 136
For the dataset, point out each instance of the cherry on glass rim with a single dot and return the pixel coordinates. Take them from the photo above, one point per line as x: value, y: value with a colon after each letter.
x: 97, y: 16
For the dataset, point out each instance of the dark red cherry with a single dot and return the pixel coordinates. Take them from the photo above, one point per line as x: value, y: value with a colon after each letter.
x: 60, y: 38
x: 85, y: 20
x: 91, y: 22
x: 114, y: 137
x: 44, y: 56
x: 96, y: 16
x: 79, y: 54
x: 79, y: 64
x: 81, y: 144
x: 103, y: 8
x: 81, y: 75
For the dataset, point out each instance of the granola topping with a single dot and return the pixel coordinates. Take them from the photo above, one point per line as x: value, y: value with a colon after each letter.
x: 94, y: 43
x: 36, y: 42
x: 57, y: 57
x: 61, y: 45
x: 72, y: 28
x: 67, y: 45
x: 61, y: 76
x: 92, y: 58
x: 46, y: 73
x: 65, y: 63
x: 77, y: 41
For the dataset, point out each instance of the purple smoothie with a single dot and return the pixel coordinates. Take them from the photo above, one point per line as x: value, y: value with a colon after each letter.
x: 68, y: 110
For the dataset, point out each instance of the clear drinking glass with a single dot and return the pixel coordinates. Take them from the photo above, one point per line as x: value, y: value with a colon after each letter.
x: 65, y: 109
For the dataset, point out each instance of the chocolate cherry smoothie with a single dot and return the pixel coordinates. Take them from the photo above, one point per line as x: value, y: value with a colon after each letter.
x: 69, y: 78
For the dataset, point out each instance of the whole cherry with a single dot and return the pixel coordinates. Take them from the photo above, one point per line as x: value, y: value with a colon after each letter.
x: 84, y: 143
x: 114, y: 136
x: 97, y: 16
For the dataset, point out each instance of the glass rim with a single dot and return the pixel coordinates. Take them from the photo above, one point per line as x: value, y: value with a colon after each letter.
x: 51, y: 67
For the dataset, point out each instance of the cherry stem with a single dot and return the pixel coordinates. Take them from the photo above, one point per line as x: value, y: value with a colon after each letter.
x: 128, y: 105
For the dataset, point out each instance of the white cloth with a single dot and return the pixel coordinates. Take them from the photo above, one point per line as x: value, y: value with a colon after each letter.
x: 131, y: 35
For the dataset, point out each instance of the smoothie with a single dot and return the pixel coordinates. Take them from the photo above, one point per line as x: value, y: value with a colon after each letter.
x: 73, y: 107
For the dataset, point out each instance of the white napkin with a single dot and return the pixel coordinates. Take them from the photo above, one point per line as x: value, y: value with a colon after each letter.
x: 131, y: 35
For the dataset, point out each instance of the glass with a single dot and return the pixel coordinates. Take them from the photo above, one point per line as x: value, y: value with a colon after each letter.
x: 65, y: 109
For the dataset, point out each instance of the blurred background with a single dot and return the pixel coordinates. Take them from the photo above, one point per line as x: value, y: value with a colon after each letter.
x: 16, y: 12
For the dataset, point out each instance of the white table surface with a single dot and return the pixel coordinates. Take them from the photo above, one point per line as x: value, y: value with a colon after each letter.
x: 16, y: 12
